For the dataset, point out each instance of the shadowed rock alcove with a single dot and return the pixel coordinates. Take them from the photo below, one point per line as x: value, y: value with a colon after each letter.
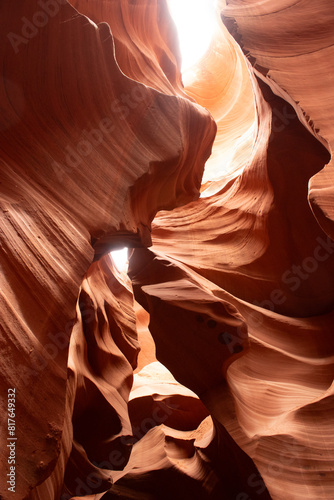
x: 205, y: 369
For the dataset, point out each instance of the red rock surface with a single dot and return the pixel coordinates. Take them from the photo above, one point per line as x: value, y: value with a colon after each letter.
x: 208, y: 371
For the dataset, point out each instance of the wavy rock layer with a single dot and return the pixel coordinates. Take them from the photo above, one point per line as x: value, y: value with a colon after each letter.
x: 291, y: 43
x: 261, y: 239
x: 231, y: 396
x: 87, y: 158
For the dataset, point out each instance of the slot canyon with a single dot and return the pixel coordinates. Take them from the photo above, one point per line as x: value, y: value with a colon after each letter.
x: 205, y: 369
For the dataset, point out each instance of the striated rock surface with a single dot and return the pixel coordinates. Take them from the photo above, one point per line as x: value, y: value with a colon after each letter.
x: 207, y: 372
x: 291, y: 44
x: 88, y: 157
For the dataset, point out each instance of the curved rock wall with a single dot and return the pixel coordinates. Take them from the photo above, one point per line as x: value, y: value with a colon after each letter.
x: 101, y: 147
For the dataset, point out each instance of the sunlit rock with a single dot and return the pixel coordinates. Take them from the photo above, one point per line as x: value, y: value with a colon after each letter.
x: 206, y: 372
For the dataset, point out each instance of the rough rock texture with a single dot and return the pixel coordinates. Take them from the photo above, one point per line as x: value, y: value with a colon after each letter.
x: 208, y: 371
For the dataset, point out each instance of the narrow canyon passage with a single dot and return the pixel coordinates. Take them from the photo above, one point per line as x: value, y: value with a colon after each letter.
x: 201, y: 366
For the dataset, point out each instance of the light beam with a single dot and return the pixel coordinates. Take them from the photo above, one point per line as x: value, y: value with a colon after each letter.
x: 120, y: 258
x: 195, y: 21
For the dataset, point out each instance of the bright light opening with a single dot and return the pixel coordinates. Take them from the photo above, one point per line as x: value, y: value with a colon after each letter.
x: 120, y: 258
x: 195, y: 21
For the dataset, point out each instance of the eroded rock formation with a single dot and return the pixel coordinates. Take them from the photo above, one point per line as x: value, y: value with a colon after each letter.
x: 207, y: 372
